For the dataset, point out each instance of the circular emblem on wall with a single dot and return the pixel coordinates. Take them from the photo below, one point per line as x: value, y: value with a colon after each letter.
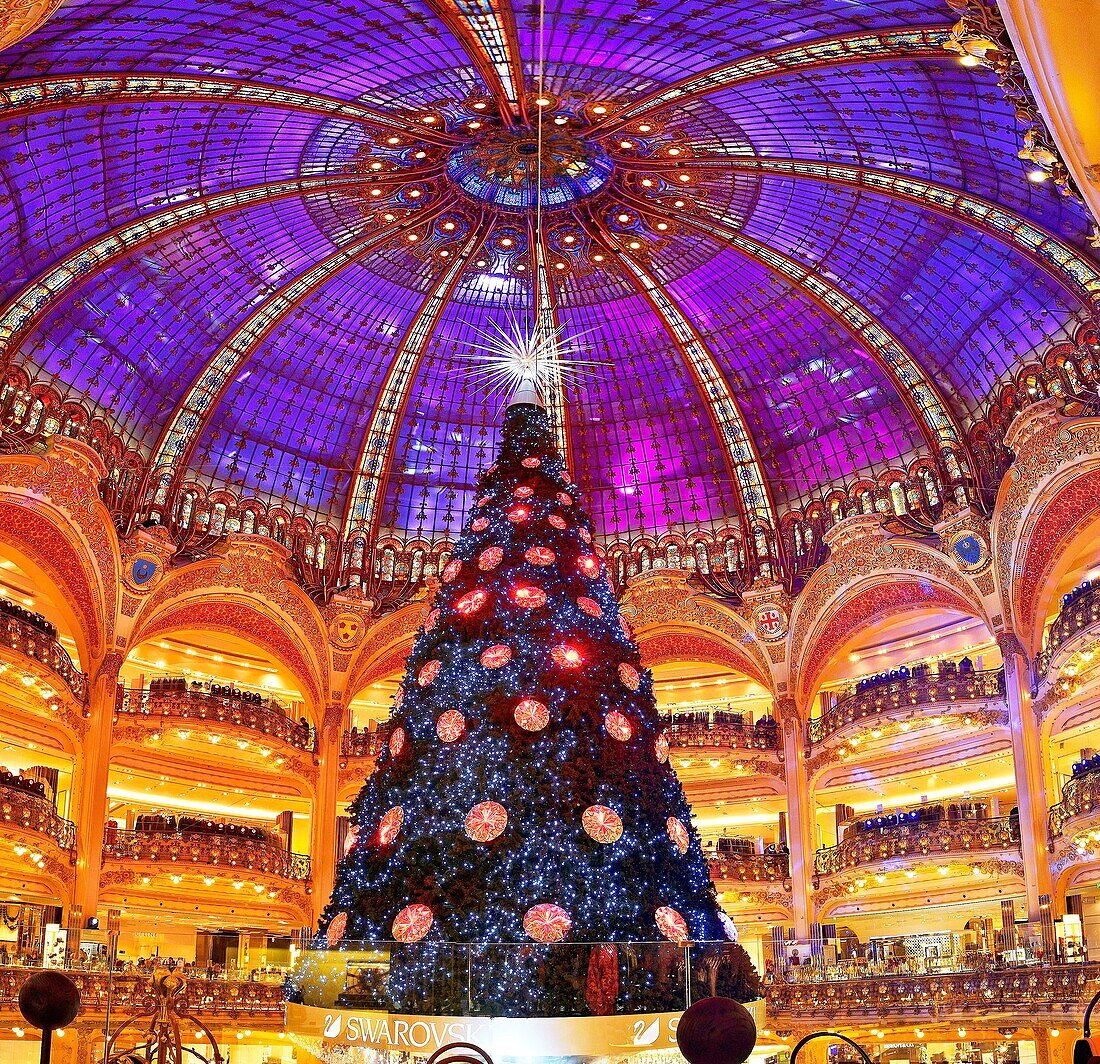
x: 346, y: 630
x: 771, y: 621
x: 969, y: 551
x: 143, y: 573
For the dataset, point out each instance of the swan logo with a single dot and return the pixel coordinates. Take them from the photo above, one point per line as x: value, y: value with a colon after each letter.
x: 646, y: 1035
x: 333, y: 1025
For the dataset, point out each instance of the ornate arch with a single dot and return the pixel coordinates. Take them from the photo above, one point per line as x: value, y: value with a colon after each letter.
x: 385, y: 648
x: 662, y: 645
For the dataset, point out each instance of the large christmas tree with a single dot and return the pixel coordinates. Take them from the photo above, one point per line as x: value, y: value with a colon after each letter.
x: 525, y: 793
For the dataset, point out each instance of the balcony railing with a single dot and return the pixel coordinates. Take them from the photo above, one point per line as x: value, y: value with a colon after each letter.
x: 749, y: 868
x: 364, y: 744
x: 32, y: 812
x: 203, y: 848
x: 1080, y: 795
x: 918, y: 839
x: 704, y: 729
x: 28, y: 641
x: 1024, y: 991
x: 1073, y: 618
x: 933, y: 689
x: 261, y: 718
x: 132, y: 992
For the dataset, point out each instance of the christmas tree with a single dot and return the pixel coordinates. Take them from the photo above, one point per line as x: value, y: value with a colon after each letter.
x: 525, y: 793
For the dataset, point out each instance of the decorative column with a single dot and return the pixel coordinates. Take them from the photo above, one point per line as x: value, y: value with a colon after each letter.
x: 323, y: 820
x: 1027, y: 763
x: 95, y: 764
x: 800, y: 835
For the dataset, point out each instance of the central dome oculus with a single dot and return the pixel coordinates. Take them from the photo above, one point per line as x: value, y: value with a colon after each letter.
x: 501, y: 168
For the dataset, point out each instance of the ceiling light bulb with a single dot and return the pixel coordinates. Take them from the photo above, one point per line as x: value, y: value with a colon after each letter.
x: 444, y: 254
x: 479, y: 106
x: 559, y: 265
x: 685, y: 178
x: 542, y: 101
x: 662, y: 226
x: 674, y: 151
x: 475, y: 125
x: 420, y: 155
x: 624, y: 217
x: 599, y: 109
x: 560, y: 120
x: 448, y: 226
x: 413, y: 238
x: 644, y: 129
x: 376, y: 192
x: 376, y: 165
x: 625, y: 144
x: 678, y: 203
x: 1037, y: 177
x: 569, y: 240
x: 428, y: 120
x: 506, y: 242
x: 393, y: 140
x: 597, y: 258
x: 646, y: 183
x: 520, y: 268
x: 414, y: 194
x: 634, y: 244
x: 969, y: 60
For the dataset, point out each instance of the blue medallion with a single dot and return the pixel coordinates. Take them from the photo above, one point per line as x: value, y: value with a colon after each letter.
x: 143, y: 570
x: 970, y: 549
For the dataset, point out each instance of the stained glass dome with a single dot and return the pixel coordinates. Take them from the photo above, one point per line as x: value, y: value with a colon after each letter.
x: 258, y: 240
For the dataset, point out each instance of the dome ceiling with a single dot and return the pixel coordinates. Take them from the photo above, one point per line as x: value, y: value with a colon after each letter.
x: 262, y: 238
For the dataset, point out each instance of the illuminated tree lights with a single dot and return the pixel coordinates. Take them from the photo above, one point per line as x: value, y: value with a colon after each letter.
x: 525, y: 794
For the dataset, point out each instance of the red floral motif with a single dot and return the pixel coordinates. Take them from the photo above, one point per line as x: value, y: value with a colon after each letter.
x: 566, y: 657
x: 412, y: 923
x: 532, y: 715
x: 390, y: 825
x: 557, y: 522
x: 672, y: 925
x: 451, y: 726
x: 489, y: 558
x: 486, y: 821
x: 678, y: 834
x: 531, y: 463
x: 629, y: 676
x: 528, y: 597
x: 565, y: 500
x: 399, y: 697
x: 590, y: 606
x: 351, y: 838
x: 661, y: 748
x: 471, y: 602
x: 585, y: 535
x: 618, y: 726
x: 522, y: 491
x: 518, y: 514
x: 336, y: 928
x: 428, y: 672
x: 431, y: 620
x: 602, y: 823
x: 496, y: 657
x: 451, y: 570
x: 397, y: 742
x: 539, y: 555
x: 589, y: 565
x: 479, y: 524
x: 484, y: 501
x: 626, y: 628
x: 547, y: 922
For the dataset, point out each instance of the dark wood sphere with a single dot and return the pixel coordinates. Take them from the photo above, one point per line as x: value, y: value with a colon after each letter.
x: 49, y: 1000
x: 716, y: 1030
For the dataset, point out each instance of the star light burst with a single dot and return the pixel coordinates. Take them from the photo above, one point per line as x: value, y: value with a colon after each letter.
x: 538, y: 358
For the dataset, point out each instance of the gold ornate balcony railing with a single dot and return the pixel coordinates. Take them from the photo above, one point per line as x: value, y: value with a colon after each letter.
x: 1080, y: 796
x: 29, y: 642
x: 261, y: 718
x: 32, y: 812
x: 702, y: 729
x: 918, y: 839
x: 364, y: 744
x: 934, y: 689
x: 1072, y: 619
x: 132, y: 992
x: 749, y: 868
x: 1025, y: 990
x: 182, y: 848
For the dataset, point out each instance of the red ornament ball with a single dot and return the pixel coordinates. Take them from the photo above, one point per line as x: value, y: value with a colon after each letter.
x: 390, y: 825
x: 532, y: 715
x: 484, y: 501
x: 351, y: 838
x: 397, y: 742
x: 412, y: 923
x: 678, y: 833
x: 336, y: 928
x: 602, y: 823
x: 431, y: 620
x: 558, y: 522
x: 618, y: 726
x: 518, y: 514
x: 716, y: 1030
x: 399, y: 696
x: 547, y: 922
x: 565, y: 500
x: 451, y: 570
x: 471, y: 602
x: 451, y: 726
x: 479, y: 524
x: 486, y: 821
x: 522, y: 491
x: 629, y: 676
x: 489, y: 558
x: 496, y: 657
x: 585, y: 535
x: 625, y: 627
x: 428, y: 672
x: 528, y: 597
x: 672, y: 925
x: 590, y: 606
x: 566, y: 657
x: 661, y: 748
x: 539, y: 556
x: 531, y: 463
x: 589, y: 565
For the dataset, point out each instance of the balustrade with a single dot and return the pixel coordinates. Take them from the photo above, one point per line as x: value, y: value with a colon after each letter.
x: 932, y: 689
x: 33, y: 812
x: 749, y: 868
x: 918, y: 839
x: 364, y: 744
x: 1023, y: 990
x: 31, y: 642
x: 718, y: 729
x: 1073, y: 618
x: 206, y: 848
x: 132, y: 992
x: 1080, y: 796
x: 190, y: 703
